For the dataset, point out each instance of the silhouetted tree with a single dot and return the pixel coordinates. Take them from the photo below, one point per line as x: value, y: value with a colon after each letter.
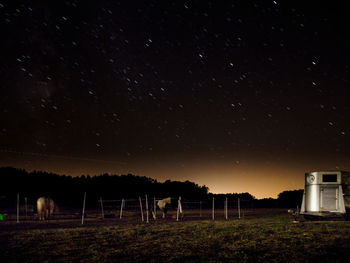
x: 290, y: 199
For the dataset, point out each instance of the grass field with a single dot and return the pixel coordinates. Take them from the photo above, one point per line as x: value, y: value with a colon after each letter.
x: 266, y: 237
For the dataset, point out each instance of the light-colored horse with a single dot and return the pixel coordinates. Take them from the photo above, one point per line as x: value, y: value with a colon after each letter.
x: 162, y: 204
x: 46, y: 207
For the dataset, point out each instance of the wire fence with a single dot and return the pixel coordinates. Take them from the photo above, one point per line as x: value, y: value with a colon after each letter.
x: 142, y: 209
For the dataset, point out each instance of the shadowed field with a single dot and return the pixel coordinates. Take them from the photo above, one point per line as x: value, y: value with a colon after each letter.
x: 268, y: 238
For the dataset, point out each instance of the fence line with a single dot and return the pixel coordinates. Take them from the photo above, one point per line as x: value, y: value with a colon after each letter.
x: 223, y: 208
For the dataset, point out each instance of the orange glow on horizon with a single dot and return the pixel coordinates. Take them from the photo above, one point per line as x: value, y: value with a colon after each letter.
x: 260, y: 178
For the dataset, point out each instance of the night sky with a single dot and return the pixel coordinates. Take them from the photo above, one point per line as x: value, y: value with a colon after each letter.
x: 242, y: 96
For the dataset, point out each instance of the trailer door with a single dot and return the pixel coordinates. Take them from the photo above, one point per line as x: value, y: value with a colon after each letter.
x: 329, y: 198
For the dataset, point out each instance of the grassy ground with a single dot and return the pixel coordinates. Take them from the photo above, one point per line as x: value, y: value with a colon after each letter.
x: 268, y: 238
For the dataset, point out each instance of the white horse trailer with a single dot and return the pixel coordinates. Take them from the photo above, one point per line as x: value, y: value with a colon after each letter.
x: 326, y: 194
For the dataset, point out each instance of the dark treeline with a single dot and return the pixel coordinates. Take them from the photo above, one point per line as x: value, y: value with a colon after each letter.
x: 68, y: 191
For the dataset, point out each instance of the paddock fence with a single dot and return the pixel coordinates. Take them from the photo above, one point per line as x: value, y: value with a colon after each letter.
x: 140, y: 209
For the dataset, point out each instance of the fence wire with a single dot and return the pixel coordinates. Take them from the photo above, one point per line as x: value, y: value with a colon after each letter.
x: 142, y: 208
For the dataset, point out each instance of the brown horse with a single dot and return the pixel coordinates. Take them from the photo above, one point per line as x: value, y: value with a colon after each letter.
x: 46, y: 207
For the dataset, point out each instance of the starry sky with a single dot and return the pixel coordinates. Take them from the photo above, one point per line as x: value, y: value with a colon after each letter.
x: 242, y: 96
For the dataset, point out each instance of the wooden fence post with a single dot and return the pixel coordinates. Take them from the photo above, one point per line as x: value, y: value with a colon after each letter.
x: 141, y: 209
x: 226, y: 213
x: 154, y: 208
x: 121, y: 209
x: 26, y: 206
x: 179, y: 208
x: 83, y: 213
x: 147, y: 215
x: 17, y: 208
x: 239, y: 208
x: 200, y: 208
x: 213, y: 212
x: 177, y: 211
x: 102, y: 212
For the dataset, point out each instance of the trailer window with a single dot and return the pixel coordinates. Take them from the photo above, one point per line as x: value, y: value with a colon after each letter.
x: 329, y: 178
